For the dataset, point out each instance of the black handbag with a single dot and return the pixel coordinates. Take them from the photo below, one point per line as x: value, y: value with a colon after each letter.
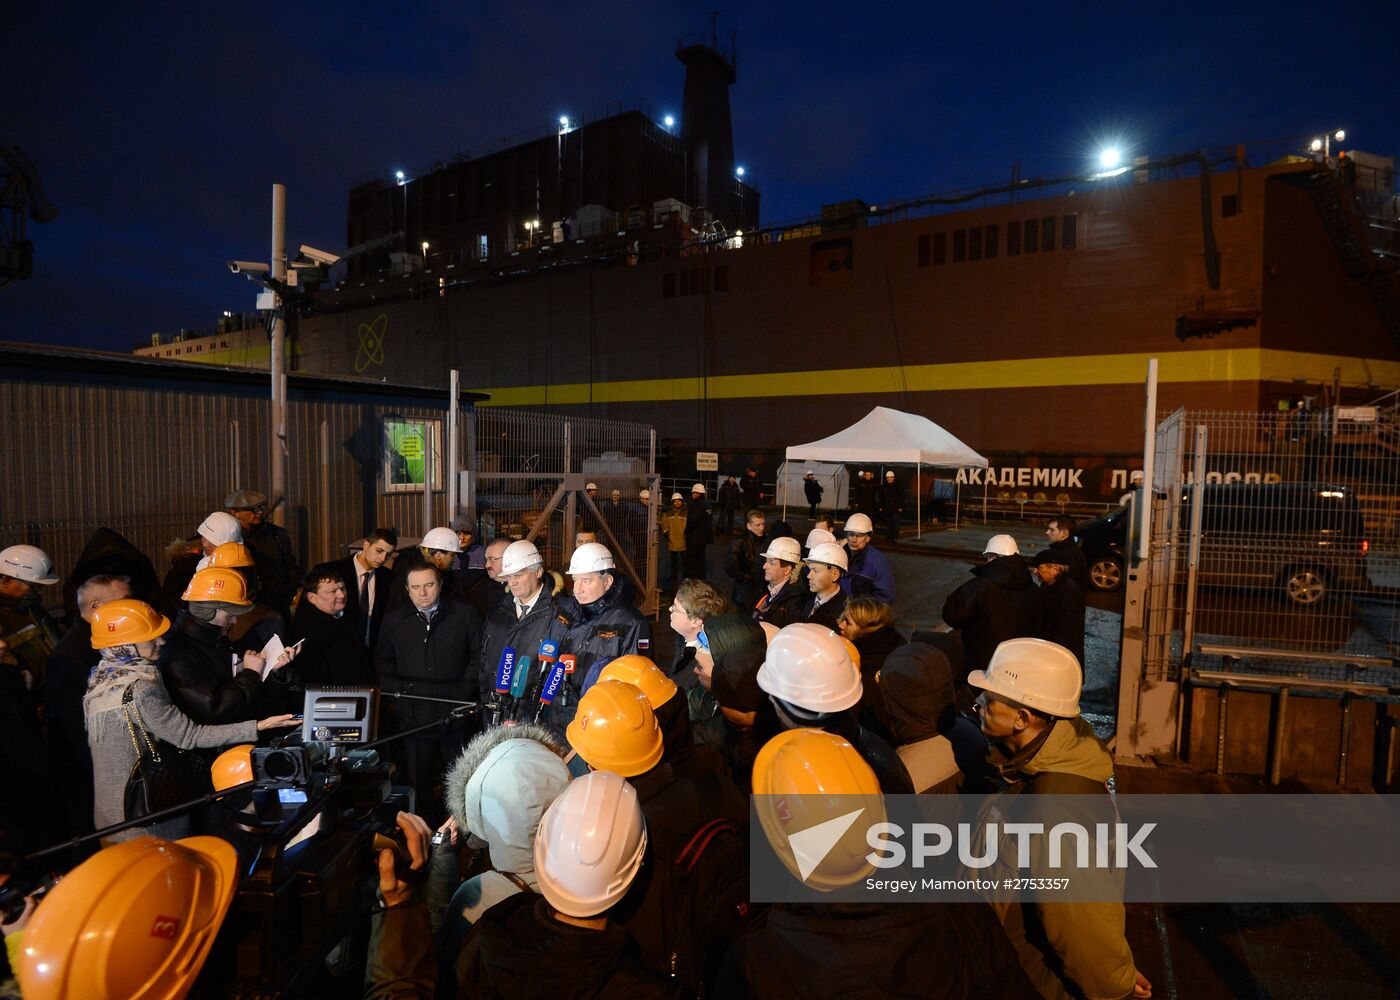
x: 163, y: 775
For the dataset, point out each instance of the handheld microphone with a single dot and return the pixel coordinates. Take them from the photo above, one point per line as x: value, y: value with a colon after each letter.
x: 505, y: 670
x: 548, y: 653
x: 521, y: 678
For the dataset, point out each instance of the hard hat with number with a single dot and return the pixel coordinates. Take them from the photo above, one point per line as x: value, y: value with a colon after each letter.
x: 213, y: 584
x: 124, y: 622
x: 616, y: 730
x: 135, y: 920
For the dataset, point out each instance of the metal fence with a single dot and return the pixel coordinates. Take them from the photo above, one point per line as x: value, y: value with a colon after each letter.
x: 531, y: 471
x: 1275, y: 545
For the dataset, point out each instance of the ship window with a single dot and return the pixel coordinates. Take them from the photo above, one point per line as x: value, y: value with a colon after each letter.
x: 959, y: 245
x: 974, y: 243
x: 1230, y: 206
x: 924, y: 248
x: 1013, y: 239
x: 940, y: 248
x: 989, y: 243
x: 1069, y: 236
x: 1032, y: 230
x: 668, y: 285
x: 1047, y: 233
x: 722, y: 278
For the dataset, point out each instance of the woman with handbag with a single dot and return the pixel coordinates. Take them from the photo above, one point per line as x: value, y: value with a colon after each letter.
x: 139, y: 739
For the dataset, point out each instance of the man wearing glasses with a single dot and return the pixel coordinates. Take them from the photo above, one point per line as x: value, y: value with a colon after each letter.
x: 870, y: 574
x: 273, y: 556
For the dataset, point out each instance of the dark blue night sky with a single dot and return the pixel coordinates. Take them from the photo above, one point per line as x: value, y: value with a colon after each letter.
x: 160, y: 132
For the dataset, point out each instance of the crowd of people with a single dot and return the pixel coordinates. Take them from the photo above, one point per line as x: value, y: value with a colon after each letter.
x: 590, y: 798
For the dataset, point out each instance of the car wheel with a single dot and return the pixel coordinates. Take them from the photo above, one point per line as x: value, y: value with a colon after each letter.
x: 1106, y: 573
x: 1305, y: 586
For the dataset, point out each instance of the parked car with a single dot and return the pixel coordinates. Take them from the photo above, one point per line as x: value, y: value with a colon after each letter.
x: 1306, y: 541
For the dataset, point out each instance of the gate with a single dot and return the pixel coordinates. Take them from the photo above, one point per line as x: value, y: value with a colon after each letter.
x: 1273, y: 569
x: 529, y: 473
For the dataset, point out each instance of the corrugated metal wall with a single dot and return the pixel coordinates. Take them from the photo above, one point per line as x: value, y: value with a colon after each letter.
x: 150, y: 457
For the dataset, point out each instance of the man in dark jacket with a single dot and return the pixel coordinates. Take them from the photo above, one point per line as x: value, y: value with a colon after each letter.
x: 65, y: 683
x: 205, y: 679
x: 1061, y: 603
x: 745, y: 565
x: 855, y: 949
x: 368, y: 583
x: 942, y: 749
x: 333, y: 654
x: 271, y: 547
x: 429, y: 647
x: 862, y: 493
x: 1002, y: 603
x: 749, y: 490
x: 604, y: 625
x: 889, y: 497
x: 520, y: 623
x: 784, y: 591
x: 699, y: 532
x: 826, y: 565
x: 813, y: 491
x: 1060, y: 531
x: 869, y: 572
x: 728, y: 504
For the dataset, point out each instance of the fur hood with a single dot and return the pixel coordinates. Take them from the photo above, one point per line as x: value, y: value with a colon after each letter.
x: 516, y: 772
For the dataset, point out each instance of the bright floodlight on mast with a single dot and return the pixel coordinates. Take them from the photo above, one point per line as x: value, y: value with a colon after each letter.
x: 399, y: 177
x: 1110, y: 157
x: 738, y: 171
x: 669, y: 122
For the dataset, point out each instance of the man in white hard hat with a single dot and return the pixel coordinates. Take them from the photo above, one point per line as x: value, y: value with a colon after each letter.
x: 24, y: 624
x: 826, y: 565
x: 1028, y: 708
x: 784, y: 592
x: 889, y: 496
x: 605, y: 625
x: 1001, y: 603
x: 529, y: 616
x: 699, y: 532
x: 673, y: 531
x: 869, y: 573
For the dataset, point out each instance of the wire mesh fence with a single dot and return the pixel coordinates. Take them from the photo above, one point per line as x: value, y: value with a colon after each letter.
x: 531, y: 472
x: 1275, y: 543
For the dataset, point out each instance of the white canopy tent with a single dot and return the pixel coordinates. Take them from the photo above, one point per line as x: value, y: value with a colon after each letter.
x: 892, y: 437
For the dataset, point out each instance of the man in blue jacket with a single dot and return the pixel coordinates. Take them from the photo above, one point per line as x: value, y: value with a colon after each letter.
x: 869, y: 573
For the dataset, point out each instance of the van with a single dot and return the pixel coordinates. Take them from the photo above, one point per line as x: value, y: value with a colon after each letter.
x: 1305, y: 541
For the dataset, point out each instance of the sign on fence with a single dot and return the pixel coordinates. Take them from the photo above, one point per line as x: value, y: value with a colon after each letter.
x: 707, y: 461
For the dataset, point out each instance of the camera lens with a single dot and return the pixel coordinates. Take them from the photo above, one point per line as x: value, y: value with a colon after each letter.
x: 280, y: 766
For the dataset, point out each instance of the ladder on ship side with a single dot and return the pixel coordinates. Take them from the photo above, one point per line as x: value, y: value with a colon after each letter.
x: 1350, y: 234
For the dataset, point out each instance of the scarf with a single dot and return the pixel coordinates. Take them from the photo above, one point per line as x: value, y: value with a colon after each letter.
x: 119, y: 668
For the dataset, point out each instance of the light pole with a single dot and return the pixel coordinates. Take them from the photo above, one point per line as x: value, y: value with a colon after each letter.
x: 1323, y: 143
x: 278, y: 334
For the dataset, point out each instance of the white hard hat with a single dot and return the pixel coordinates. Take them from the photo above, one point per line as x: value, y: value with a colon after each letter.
x: 698, y: 488
x: 590, y: 844
x: 644, y: 495
x: 519, y: 555
x: 889, y: 475
x: 1035, y: 673
x: 591, y: 486
x: 1001, y: 545
x: 861, y: 523
x: 28, y: 563
x: 785, y: 549
x: 591, y: 557
x: 816, y: 536
x: 829, y: 553
x: 220, y: 527
x: 807, y: 666
x: 769, y: 631
x: 442, y: 539
x: 677, y: 496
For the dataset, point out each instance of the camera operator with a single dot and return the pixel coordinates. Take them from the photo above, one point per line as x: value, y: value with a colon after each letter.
x: 429, y: 647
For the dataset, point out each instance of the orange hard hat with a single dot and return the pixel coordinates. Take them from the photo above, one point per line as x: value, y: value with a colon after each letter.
x: 230, y: 555
x: 643, y: 674
x: 615, y: 730
x: 232, y: 767
x: 215, y: 584
x: 133, y: 922
x: 120, y: 623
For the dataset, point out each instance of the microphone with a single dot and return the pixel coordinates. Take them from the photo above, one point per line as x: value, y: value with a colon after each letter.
x: 548, y: 653
x: 521, y: 678
x: 505, y: 670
